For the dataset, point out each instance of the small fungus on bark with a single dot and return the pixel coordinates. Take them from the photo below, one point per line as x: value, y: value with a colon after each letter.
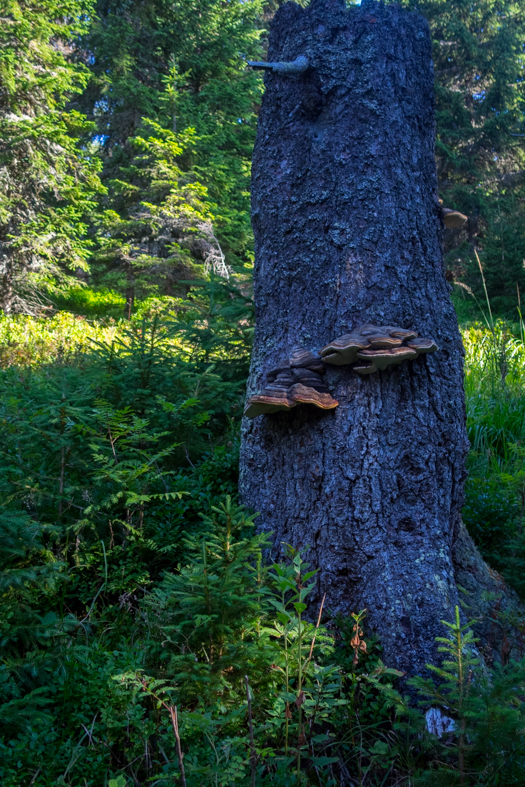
x: 379, y: 346
x: 299, y: 381
x: 297, y: 66
x: 452, y: 218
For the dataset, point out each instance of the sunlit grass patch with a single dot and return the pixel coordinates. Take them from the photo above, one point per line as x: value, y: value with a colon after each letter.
x: 33, y: 341
x: 92, y: 302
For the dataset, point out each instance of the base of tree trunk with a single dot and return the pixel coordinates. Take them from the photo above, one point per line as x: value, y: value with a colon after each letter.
x: 496, y: 609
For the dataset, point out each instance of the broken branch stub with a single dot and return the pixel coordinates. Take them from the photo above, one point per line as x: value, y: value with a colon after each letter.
x: 299, y: 381
x: 379, y: 346
x: 297, y: 66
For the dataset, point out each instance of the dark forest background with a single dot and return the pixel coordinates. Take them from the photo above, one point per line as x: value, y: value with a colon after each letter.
x: 131, y: 582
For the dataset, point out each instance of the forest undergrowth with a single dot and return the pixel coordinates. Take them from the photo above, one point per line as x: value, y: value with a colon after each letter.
x: 145, y: 640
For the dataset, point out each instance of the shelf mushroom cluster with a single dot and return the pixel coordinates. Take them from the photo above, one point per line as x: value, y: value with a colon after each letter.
x: 300, y: 380
x: 376, y: 347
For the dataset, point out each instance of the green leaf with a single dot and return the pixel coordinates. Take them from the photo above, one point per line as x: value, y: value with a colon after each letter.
x: 120, y: 781
x: 320, y: 762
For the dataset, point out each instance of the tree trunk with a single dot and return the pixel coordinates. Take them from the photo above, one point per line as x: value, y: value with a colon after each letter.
x: 6, y: 285
x: 348, y: 231
x: 130, y: 291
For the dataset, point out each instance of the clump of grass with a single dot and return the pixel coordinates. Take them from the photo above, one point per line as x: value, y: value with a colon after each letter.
x: 91, y: 302
x: 495, y: 401
x: 494, y: 389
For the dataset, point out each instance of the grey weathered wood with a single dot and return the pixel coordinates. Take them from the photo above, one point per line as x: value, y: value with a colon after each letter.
x: 348, y: 231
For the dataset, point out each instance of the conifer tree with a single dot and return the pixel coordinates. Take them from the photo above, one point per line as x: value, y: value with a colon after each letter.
x: 182, y: 66
x: 479, y: 68
x: 161, y: 222
x: 48, y: 180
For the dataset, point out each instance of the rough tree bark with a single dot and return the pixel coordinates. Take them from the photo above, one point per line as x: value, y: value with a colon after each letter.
x: 347, y: 231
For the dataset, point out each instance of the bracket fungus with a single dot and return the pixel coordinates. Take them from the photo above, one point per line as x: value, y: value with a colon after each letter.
x: 299, y: 381
x: 379, y: 346
x: 297, y: 66
x: 452, y: 218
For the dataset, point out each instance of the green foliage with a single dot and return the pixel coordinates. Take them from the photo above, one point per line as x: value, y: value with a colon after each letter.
x: 29, y: 343
x: 110, y: 456
x: 90, y: 302
x: 129, y: 570
x: 478, y: 65
x: 484, y: 713
x: 49, y: 180
x: 175, y: 111
x: 211, y: 607
x: 494, y: 506
x: 110, y: 452
x: 163, y: 226
x: 221, y: 616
